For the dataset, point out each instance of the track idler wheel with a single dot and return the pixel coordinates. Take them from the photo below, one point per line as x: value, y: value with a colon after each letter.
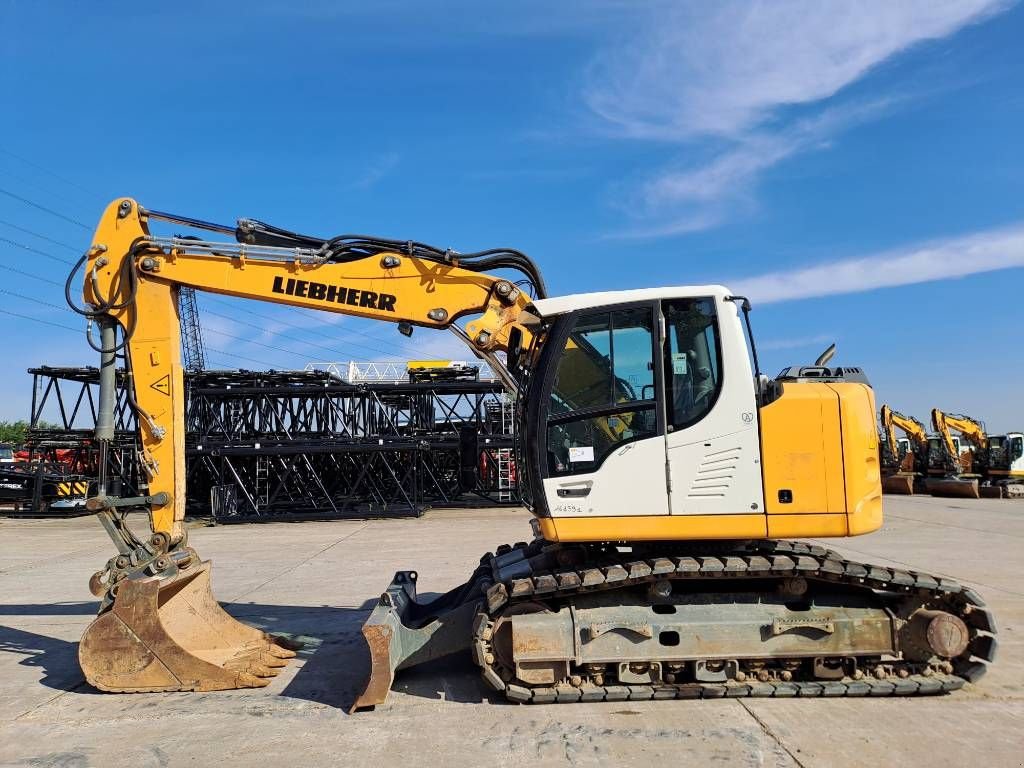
x: 171, y: 634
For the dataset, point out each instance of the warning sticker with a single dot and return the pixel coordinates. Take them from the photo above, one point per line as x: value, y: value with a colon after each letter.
x: 162, y: 385
x: 581, y: 453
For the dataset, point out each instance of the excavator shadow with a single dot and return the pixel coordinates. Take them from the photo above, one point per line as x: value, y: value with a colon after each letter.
x: 335, y: 661
x: 58, y: 659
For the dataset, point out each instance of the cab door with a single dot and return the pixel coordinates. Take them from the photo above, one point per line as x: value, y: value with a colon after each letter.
x: 714, y: 460
x: 604, y: 445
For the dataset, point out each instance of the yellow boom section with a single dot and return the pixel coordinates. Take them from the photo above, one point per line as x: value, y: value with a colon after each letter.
x: 945, y: 424
x: 138, y: 277
x: 967, y: 427
x: 911, y: 427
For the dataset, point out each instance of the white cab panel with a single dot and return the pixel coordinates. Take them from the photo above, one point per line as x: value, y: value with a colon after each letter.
x: 631, y: 481
x: 715, y: 464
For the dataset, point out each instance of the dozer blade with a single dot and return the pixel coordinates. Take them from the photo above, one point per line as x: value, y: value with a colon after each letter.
x: 901, y: 484
x: 954, y: 487
x: 403, y: 632
x: 171, y: 634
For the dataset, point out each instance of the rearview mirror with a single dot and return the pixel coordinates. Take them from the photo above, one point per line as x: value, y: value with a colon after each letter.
x: 515, y: 349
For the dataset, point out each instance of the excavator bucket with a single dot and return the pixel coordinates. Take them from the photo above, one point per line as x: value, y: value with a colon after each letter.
x: 992, y: 492
x: 954, y: 487
x: 901, y: 484
x: 171, y: 634
x: 402, y: 632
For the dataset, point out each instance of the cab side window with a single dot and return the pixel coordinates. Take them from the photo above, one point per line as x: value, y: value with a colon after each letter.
x: 693, y: 375
x: 1016, y: 448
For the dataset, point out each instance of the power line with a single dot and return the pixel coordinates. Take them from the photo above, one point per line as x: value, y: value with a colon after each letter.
x: 30, y: 249
x: 306, y: 328
x: 47, y: 171
x: 78, y: 330
x: 263, y: 363
x: 371, y: 338
x: 257, y: 343
x: 34, y: 299
x: 301, y: 341
x: 50, y: 211
x: 29, y: 274
x: 33, y: 186
x: 41, y: 237
x: 40, y: 320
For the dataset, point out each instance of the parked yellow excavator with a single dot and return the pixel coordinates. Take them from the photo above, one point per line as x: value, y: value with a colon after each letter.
x: 903, y: 472
x: 996, y: 468
x: 958, y: 480
x: 663, y: 472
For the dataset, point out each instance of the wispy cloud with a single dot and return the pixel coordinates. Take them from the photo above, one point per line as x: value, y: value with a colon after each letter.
x: 541, y: 174
x: 731, y: 73
x: 796, y: 343
x: 378, y: 169
x: 985, y: 251
x: 680, y: 199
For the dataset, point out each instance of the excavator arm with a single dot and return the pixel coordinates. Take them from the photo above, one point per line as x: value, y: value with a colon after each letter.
x: 159, y: 626
x: 912, y: 428
x: 973, y: 430
x: 889, y: 430
x: 902, y: 482
x: 955, y: 483
x: 941, y: 424
x: 133, y: 279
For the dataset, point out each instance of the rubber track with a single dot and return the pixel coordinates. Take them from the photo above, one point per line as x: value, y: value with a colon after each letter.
x: 764, y: 559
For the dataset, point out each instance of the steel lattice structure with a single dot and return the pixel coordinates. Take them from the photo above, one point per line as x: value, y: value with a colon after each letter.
x: 193, y: 353
x: 305, y: 443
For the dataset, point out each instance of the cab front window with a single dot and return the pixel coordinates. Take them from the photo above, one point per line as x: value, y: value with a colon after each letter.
x: 603, y: 391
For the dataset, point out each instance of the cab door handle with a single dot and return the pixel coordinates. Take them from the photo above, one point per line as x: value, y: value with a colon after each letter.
x: 573, y: 493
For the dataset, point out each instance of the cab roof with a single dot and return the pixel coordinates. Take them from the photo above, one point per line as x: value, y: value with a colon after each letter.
x: 559, y: 305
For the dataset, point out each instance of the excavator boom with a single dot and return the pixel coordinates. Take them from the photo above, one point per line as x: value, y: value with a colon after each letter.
x: 159, y: 627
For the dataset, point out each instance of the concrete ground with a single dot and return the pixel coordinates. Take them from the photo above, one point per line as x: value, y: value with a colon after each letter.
x: 317, y: 580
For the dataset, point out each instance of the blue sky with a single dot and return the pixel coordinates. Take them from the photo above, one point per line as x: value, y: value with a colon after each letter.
x: 856, y: 167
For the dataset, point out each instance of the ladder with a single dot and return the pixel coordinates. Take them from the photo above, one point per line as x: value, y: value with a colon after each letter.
x: 262, y: 481
x: 505, y: 454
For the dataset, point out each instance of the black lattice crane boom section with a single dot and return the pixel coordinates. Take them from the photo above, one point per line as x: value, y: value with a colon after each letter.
x: 192, y: 350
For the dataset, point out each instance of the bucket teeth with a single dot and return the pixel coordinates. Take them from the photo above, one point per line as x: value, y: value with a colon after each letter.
x: 246, y: 680
x: 284, y: 647
x: 252, y: 665
x: 268, y: 659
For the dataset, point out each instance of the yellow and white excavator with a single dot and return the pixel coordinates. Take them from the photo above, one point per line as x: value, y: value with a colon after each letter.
x: 996, y: 461
x: 664, y: 475
x: 906, y: 469
x: 1006, y: 462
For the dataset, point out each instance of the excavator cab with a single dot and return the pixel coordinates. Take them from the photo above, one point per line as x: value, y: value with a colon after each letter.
x: 633, y: 409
